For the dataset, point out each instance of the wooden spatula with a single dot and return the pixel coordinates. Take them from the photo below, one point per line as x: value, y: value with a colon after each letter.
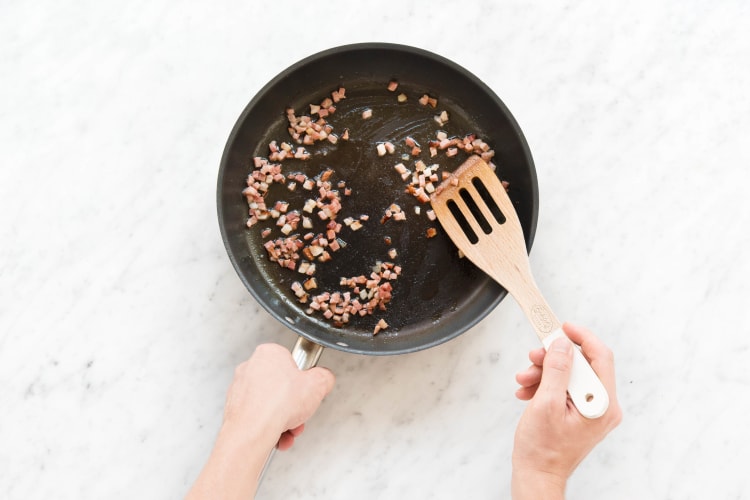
x: 475, y: 211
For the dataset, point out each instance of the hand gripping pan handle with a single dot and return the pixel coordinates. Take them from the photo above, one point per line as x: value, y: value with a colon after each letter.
x: 306, y: 355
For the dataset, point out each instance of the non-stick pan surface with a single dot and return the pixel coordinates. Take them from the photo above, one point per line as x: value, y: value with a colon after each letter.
x: 439, y: 295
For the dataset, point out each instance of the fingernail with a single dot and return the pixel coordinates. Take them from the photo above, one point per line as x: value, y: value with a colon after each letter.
x: 563, y: 344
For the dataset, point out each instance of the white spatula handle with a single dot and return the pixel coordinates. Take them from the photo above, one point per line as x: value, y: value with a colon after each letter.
x: 585, y: 389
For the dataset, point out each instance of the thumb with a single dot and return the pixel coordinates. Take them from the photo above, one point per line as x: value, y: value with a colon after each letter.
x: 556, y: 371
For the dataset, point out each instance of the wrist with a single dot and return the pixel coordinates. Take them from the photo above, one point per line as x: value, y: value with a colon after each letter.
x: 235, y: 463
x: 248, y: 436
x: 535, y: 484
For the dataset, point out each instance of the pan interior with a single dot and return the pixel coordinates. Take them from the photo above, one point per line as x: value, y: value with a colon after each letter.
x: 438, y: 295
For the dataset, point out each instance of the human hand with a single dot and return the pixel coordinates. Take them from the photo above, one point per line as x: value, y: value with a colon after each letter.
x: 552, y: 438
x: 267, y: 405
x: 269, y: 389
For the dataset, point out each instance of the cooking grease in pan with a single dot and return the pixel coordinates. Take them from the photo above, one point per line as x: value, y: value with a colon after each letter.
x: 384, y: 141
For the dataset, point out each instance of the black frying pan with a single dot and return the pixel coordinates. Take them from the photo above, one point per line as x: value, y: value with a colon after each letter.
x: 438, y: 295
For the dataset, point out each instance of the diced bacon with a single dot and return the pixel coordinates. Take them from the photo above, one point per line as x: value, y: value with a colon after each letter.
x: 309, y: 206
x: 381, y: 325
x: 361, y: 295
x: 339, y: 94
x: 326, y: 174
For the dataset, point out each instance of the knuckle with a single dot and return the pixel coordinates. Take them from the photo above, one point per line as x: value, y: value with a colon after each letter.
x: 239, y: 369
x: 264, y: 348
x: 271, y: 350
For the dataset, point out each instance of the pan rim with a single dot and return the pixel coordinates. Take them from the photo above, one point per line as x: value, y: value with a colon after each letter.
x: 463, y: 326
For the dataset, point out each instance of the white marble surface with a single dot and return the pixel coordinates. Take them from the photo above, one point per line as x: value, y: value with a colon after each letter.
x: 121, y: 318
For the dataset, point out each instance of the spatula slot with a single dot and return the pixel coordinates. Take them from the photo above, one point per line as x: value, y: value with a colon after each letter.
x: 475, y: 211
x: 488, y: 200
x: 462, y: 222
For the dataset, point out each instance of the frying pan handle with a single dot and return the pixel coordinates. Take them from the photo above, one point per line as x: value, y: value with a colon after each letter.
x: 585, y: 389
x: 306, y: 354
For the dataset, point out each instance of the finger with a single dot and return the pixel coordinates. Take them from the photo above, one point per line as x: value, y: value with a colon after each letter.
x: 537, y: 356
x: 526, y: 393
x: 272, y: 352
x: 313, y: 386
x: 286, y: 440
x: 297, y: 430
x: 589, y: 342
x: 600, y: 357
x: 556, y: 373
x: 530, y: 376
